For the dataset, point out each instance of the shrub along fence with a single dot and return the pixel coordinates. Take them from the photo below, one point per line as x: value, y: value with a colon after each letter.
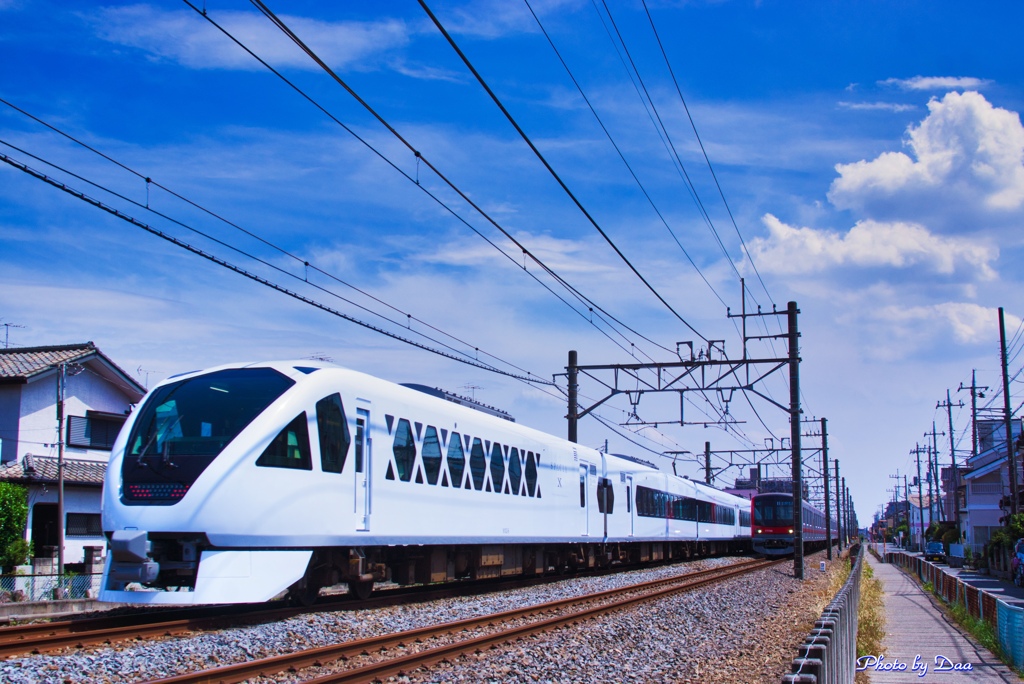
x: 829, y: 654
x: 1006, y: 620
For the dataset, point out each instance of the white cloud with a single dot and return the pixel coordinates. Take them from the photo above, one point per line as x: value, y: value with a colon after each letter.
x: 936, y: 83
x: 877, y: 106
x: 869, y: 244
x: 490, y: 19
x: 186, y: 38
x: 967, y: 154
x: 969, y: 323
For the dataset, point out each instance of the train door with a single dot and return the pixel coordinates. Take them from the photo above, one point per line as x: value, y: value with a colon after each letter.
x: 630, y: 504
x: 364, y: 450
x: 585, y: 496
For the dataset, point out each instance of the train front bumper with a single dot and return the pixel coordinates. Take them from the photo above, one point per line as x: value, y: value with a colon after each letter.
x: 224, y: 576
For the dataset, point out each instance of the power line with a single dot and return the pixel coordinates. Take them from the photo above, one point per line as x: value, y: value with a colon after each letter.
x: 548, y: 166
x: 307, y: 264
x: 526, y: 252
x: 704, y: 151
x: 263, y: 281
x: 615, y: 145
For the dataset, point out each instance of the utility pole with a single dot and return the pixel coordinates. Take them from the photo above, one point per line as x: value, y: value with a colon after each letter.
x: 920, y: 498
x: 906, y: 495
x: 839, y: 518
x: 572, y: 395
x: 61, y: 378
x: 1011, y: 455
x: 952, y: 459
x: 896, y: 516
x: 975, y: 395
x: 933, y: 468
x: 794, y: 432
x: 824, y: 475
x: 846, y: 511
x: 708, y: 478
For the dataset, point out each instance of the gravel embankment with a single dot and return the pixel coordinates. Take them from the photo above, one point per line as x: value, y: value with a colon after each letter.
x: 744, y: 631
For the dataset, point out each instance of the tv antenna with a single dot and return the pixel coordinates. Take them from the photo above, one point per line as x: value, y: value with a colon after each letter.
x: 7, y: 332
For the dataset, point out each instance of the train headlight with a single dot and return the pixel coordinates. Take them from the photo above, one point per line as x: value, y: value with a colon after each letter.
x: 760, y: 531
x: 791, y: 531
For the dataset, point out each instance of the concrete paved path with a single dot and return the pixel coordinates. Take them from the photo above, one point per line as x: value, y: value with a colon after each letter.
x: 919, y: 634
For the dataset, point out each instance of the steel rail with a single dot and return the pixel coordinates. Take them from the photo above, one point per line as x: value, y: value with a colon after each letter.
x: 41, y: 637
x: 324, y: 654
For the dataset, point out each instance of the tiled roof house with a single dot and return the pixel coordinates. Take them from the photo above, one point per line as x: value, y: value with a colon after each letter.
x: 98, y: 396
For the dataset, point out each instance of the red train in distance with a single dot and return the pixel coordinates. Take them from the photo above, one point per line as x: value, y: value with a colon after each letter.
x: 772, y: 529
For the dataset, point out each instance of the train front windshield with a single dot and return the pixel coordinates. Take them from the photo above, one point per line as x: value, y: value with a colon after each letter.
x: 773, y: 512
x: 185, y: 425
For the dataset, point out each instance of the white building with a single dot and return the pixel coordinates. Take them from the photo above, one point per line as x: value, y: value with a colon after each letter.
x: 922, y: 514
x: 987, y: 484
x: 97, y: 399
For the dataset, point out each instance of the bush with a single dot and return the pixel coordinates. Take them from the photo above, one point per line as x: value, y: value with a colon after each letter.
x: 14, y: 550
x: 951, y: 537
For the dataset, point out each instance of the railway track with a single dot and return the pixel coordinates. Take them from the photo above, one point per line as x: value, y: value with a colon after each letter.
x: 406, y: 651
x: 50, y: 636
x: 44, y: 637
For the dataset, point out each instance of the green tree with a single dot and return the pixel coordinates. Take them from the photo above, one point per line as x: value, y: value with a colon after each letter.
x: 14, y: 550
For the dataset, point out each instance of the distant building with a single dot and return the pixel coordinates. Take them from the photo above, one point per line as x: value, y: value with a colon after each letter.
x: 922, y: 515
x: 98, y: 397
x: 986, y: 484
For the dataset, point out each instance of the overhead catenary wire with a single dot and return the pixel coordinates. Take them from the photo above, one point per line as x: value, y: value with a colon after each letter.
x: 421, y: 186
x: 622, y: 156
x: 547, y: 165
x: 656, y: 119
x: 420, y: 159
x: 718, y: 185
x: 252, y: 276
x: 299, y: 259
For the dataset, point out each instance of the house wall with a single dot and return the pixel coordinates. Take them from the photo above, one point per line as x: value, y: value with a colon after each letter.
x: 983, y: 512
x: 76, y: 500
x: 38, y: 412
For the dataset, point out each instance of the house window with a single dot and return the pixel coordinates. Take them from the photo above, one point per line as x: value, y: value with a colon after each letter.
x: 94, y: 431
x: 83, y: 525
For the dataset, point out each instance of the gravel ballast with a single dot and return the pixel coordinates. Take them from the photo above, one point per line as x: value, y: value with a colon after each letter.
x: 745, y: 630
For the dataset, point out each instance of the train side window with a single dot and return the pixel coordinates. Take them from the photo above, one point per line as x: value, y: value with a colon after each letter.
x: 477, y: 464
x: 360, y: 441
x: 404, y: 449
x: 334, y: 434
x: 497, y: 468
x: 431, y: 454
x: 515, y: 470
x: 531, y: 473
x: 456, y: 459
x: 703, y: 511
x: 583, y: 487
x: 605, y: 496
x: 629, y: 500
x: 290, y: 449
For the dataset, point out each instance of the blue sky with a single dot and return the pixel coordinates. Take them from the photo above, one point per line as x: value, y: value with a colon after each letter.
x: 871, y: 154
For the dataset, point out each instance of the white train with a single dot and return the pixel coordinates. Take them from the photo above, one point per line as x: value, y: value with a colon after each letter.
x: 234, y: 484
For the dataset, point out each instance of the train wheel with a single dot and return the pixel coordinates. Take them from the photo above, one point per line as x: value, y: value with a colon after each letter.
x: 360, y: 590
x: 303, y: 594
